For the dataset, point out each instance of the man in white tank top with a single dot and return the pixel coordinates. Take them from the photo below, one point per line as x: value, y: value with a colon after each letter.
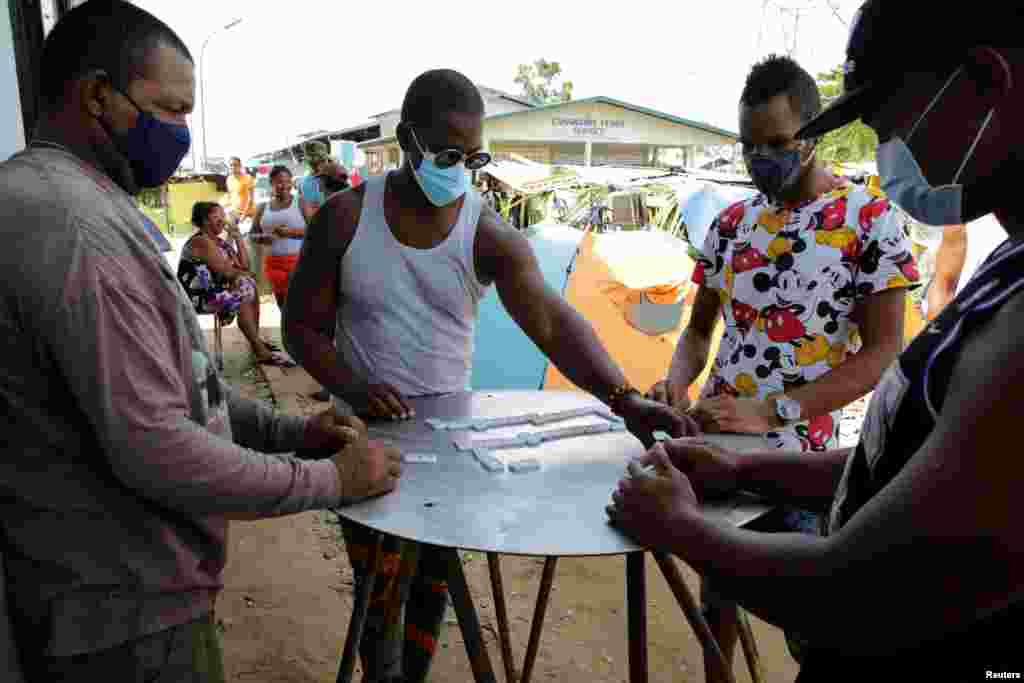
x: 400, y: 263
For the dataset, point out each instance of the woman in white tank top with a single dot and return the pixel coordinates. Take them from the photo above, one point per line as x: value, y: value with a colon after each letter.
x: 281, y: 224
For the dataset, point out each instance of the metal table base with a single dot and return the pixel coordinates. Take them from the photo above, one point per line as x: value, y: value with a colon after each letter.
x: 426, y: 511
x: 472, y: 634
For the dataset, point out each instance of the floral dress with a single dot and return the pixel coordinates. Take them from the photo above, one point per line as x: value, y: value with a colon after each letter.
x: 789, y: 279
x: 210, y: 292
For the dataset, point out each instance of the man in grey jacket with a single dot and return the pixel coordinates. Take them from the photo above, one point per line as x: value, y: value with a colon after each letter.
x: 124, y: 453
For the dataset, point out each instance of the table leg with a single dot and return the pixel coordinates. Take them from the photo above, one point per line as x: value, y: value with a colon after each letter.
x: 360, y: 609
x: 636, y: 605
x: 468, y: 621
x: 547, y: 579
x: 498, y: 589
x: 692, y: 611
x: 750, y: 648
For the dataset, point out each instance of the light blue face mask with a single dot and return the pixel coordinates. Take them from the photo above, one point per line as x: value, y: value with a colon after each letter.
x: 905, y: 184
x: 442, y: 186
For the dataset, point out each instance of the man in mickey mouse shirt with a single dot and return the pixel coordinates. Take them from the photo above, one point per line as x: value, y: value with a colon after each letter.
x: 810, y: 277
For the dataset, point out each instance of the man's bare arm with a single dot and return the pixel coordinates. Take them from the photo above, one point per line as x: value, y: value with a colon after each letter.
x: 313, y: 295
x: 942, y: 539
x: 880, y: 318
x: 693, y: 349
x: 805, y: 479
x: 949, y: 266
x: 505, y: 257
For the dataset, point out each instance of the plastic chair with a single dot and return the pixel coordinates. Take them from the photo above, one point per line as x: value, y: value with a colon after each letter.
x: 218, y: 342
x: 218, y: 338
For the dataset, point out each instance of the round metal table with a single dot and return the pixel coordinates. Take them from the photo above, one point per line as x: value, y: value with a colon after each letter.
x: 555, y: 511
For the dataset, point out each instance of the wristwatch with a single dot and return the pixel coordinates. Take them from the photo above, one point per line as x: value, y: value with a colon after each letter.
x: 787, y: 409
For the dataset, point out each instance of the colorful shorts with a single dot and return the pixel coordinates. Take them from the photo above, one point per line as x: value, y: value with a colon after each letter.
x: 226, y: 302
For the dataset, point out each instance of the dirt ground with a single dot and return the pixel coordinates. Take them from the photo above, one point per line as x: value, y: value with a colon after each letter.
x: 289, y: 592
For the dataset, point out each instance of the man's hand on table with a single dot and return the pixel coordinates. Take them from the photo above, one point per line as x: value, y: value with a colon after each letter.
x: 712, y: 470
x: 647, y: 503
x: 332, y: 432
x: 735, y: 415
x: 671, y: 394
x: 385, y: 402
x: 366, y: 467
x: 644, y: 417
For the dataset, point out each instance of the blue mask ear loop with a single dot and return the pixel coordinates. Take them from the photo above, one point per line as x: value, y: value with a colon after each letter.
x: 419, y: 148
x: 974, y: 145
x: 977, y: 138
x: 931, y: 105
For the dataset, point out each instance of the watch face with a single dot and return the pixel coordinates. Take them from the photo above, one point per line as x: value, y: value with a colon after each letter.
x: 788, y: 409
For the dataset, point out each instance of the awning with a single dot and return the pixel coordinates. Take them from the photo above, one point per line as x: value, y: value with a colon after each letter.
x: 530, y: 178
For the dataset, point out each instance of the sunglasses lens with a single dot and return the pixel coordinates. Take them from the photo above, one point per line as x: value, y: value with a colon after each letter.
x: 478, y: 161
x: 448, y: 158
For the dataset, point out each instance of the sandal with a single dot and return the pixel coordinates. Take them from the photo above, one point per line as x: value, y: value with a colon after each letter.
x: 277, y: 360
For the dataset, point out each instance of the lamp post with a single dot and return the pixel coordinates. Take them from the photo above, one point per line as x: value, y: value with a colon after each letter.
x: 202, y: 81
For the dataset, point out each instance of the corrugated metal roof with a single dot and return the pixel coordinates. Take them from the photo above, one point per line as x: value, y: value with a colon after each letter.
x: 377, y: 141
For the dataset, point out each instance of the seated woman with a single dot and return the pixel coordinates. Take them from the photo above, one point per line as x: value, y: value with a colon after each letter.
x: 215, y: 274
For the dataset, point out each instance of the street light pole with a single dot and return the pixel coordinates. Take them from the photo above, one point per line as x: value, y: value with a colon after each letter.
x: 202, y: 81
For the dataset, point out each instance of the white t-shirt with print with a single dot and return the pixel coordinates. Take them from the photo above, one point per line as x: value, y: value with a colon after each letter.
x: 789, y: 279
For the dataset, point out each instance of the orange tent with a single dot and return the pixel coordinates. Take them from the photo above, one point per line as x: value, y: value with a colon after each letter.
x: 633, y: 288
x: 616, y: 275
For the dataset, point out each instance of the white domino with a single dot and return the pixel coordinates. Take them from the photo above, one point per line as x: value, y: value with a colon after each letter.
x: 428, y: 458
x: 523, y: 466
x: 463, y: 442
x: 547, y: 418
x: 488, y: 460
x: 570, y: 432
x: 494, y: 422
x: 529, y: 439
x: 661, y: 436
x: 496, y: 444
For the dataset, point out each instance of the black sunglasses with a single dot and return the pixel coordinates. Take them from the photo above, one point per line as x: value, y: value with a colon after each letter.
x: 449, y: 157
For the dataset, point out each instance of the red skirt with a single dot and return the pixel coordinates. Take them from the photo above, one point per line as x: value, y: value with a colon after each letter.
x: 278, y: 270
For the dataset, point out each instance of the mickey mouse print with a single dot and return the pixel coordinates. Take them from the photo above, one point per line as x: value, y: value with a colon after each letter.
x: 790, y: 278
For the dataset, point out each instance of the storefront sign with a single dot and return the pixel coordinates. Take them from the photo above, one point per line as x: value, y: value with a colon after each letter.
x: 589, y: 128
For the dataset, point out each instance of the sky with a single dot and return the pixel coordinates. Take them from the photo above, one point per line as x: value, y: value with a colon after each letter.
x: 303, y: 65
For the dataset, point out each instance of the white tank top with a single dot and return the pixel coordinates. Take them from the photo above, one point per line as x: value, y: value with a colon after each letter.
x: 409, y: 315
x: 291, y: 217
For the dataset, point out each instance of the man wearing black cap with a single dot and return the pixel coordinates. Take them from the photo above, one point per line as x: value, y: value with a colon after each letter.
x: 923, y: 568
x: 810, y: 277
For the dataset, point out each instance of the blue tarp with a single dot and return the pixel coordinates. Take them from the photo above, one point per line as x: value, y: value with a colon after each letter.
x: 505, y: 358
x: 700, y: 204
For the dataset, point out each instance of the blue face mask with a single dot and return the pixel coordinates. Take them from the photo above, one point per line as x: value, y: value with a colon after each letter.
x: 774, y: 174
x: 154, y: 148
x: 442, y: 186
x: 904, y: 183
